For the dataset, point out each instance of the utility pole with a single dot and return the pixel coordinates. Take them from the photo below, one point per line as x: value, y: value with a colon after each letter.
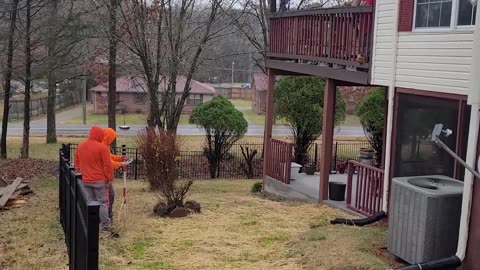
x: 233, y: 67
x: 84, y: 99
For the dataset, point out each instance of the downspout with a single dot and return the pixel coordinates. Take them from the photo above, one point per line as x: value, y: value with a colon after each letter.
x: 391, y: 101
x: 474, y: 101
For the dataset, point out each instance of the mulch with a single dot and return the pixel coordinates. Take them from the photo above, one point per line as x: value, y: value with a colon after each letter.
x: 28, y: 169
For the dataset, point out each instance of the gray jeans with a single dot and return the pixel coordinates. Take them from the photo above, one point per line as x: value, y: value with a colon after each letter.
x: 98, y: 192
x: 111, y: 196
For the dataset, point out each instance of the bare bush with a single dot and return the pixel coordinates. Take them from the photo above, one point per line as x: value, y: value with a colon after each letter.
x: 160, y: 151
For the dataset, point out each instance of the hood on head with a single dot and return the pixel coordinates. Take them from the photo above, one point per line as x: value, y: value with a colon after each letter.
x: 108, y: 136
x: 96, y: 134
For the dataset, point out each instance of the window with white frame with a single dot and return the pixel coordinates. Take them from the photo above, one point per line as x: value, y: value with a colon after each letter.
x: 194, y: 99
x: 446, y: 14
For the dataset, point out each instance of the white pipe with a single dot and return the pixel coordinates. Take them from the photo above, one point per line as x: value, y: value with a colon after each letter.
x: 468, y: 182
x: 391, y: 95
x: 474, y: 100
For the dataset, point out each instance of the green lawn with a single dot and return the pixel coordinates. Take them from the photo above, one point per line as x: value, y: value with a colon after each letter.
x: 102, y: 119
x: 130, y: 119
x: 351, y: 120
x: 241, y: 103
x: 184, y: 118
x: 257, y: 119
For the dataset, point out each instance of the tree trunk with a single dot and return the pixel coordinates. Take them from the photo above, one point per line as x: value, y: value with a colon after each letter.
x: 112, y: 63
x: 28, y: 75
x: 154, y: 112
x: 52, y: 88
x: 8, y: 78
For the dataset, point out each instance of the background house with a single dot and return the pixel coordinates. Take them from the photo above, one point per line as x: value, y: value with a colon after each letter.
x: 233, y: 90
x: 259, y: 91
x: 352, y: 96
x: 132, y: 95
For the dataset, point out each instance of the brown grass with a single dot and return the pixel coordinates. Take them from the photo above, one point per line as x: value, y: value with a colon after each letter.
x: 31, y: 236
x: 236, y: 230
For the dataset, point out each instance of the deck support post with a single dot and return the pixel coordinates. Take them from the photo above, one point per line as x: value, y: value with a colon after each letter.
x: 327, y: 137
x: 267, y: 151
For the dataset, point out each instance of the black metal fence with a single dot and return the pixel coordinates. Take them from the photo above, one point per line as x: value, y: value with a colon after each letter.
x: 79, y: 216
x: 343, y: 152
x: 194, y: 164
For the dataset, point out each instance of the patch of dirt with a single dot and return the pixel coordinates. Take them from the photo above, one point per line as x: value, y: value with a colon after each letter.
x: 28, y: 169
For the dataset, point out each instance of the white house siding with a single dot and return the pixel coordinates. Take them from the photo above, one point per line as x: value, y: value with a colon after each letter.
x: 437, y: 62
x: 383, y: 42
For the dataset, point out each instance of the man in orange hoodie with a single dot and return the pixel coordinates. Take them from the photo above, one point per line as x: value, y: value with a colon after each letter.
x: 117, y: 162
x: 92, y: 160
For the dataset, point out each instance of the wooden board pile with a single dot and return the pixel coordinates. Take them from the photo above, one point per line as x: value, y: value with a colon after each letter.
x: 12, y: 194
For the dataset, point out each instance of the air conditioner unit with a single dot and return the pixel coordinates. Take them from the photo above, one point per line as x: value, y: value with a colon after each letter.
x: 424, y: 217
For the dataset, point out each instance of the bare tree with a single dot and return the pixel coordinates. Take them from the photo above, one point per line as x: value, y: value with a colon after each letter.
x: 112, y: 64
x: 52, y: 88
x: 8, y: 78
x: 66, y: 49
x: 28, y: 79
x: 182, y: 40
x: 252, y: 21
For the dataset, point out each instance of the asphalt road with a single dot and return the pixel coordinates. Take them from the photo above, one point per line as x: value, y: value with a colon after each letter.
x: 39, y: 129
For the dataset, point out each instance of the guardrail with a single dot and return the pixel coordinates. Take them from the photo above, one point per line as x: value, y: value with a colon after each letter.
x: 279, y: 165
x: 365, y: 188
x: 340, y: 36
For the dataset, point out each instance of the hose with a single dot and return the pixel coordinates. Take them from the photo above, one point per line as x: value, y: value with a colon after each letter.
x: 360, y: 222
x: 446, y: 263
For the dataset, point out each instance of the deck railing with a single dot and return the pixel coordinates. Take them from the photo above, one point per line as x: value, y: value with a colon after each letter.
x: 365, y: 188
x: 341, y: 36
x: 279, y: 165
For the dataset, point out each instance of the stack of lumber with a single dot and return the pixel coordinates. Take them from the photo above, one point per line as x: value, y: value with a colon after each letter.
x: 12, y: 193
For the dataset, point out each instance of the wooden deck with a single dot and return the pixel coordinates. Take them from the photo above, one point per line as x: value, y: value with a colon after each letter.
x: 334, y: 43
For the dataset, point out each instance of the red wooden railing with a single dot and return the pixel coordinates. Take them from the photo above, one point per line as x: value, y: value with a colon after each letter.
x: 279, y: 164
x: 365, y: 188
x: 332, y: 35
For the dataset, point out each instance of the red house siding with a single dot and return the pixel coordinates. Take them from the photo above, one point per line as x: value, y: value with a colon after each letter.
x: 405, y: 20
x: 128, y: 103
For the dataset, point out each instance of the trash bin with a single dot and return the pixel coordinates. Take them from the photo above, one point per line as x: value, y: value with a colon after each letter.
x: 295, y: 171
x: 336, y: 191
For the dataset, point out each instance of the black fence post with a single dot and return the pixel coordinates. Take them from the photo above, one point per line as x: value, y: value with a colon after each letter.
x: 136, y: 164
x: 335, y: 157
x: 93, y: 220
x: 66, y: 152
x: 60, y: 181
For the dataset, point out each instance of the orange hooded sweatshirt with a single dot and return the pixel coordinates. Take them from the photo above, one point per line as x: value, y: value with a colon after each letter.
x: 92, y: 158
x: 108, y: 136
